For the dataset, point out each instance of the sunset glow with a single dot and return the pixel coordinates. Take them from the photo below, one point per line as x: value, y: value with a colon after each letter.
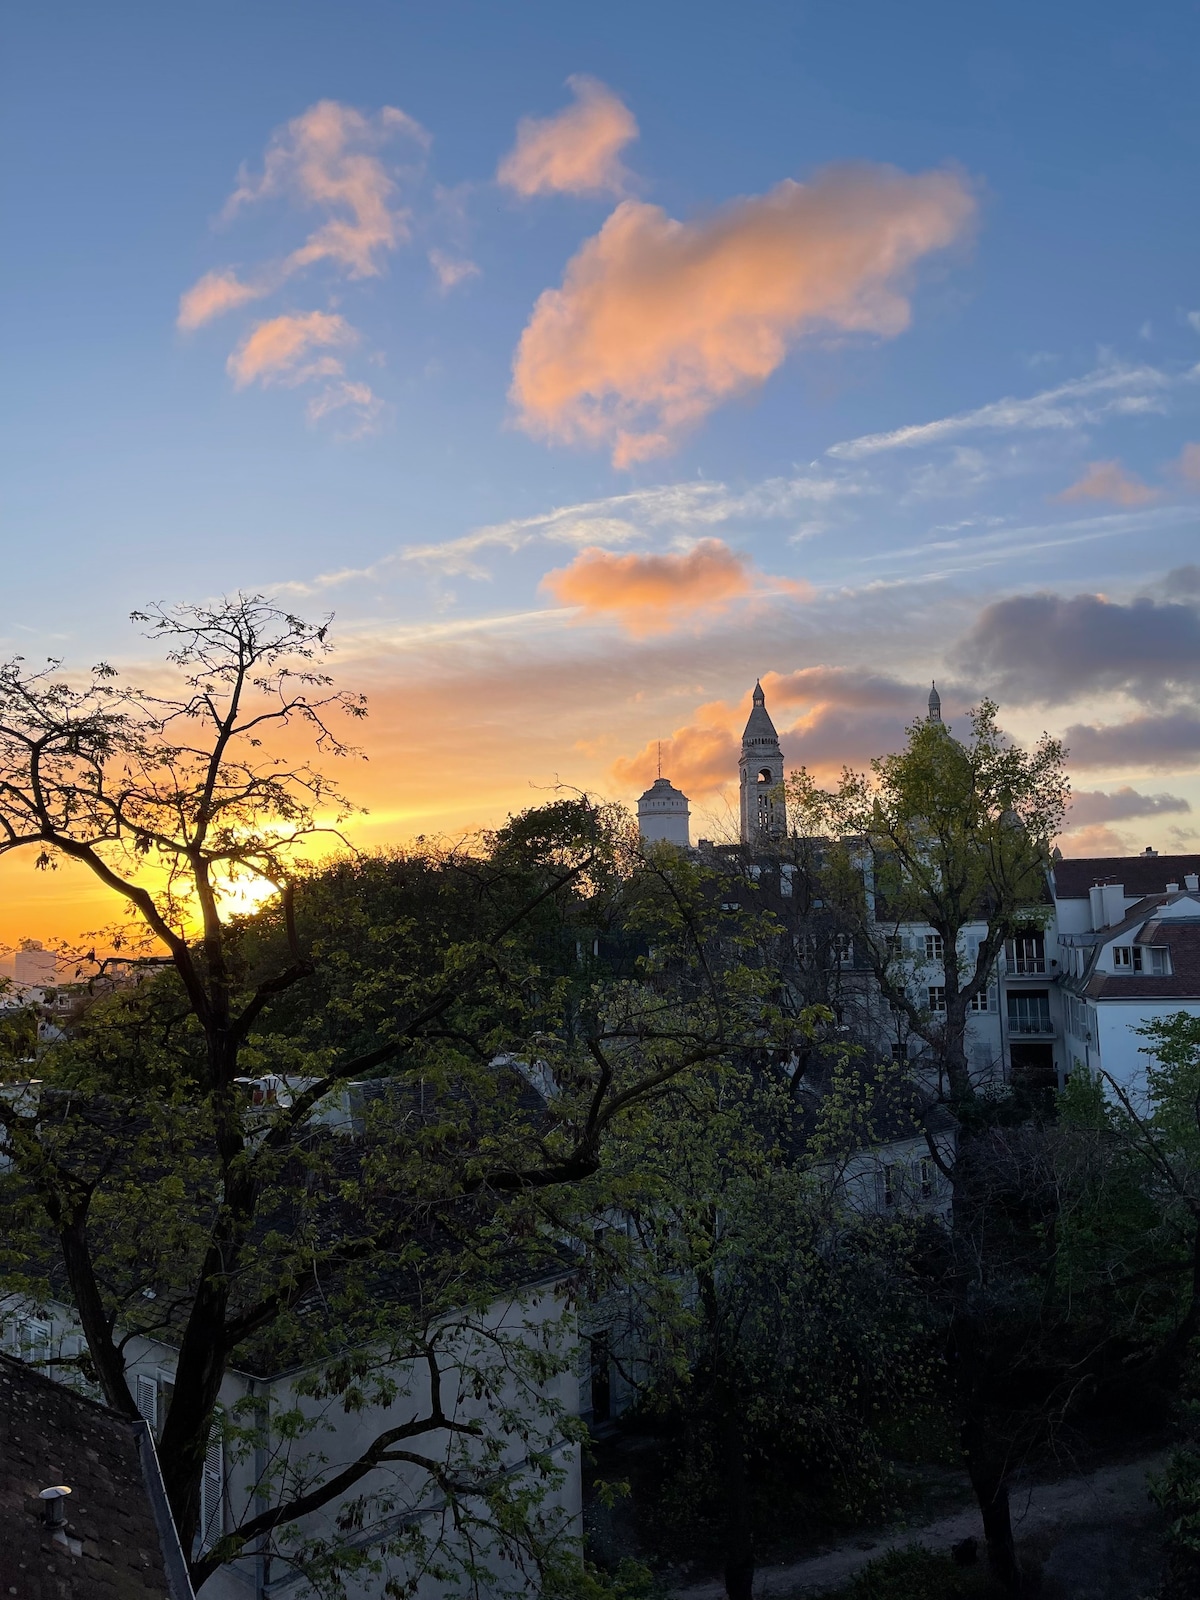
x: 592, y: 372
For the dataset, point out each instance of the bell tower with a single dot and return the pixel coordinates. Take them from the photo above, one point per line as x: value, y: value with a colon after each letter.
x: 761, y: 773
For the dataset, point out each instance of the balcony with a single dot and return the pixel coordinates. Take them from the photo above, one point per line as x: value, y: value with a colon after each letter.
x: 1025, y: 966
x: 1030, y: 1025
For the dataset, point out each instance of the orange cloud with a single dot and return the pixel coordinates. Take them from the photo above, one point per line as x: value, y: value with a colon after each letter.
x: 652, y: 593
x: 325, y: 158
x: 215, y: 294
x: 577, y: 151
x: 273, y: 352
x: 658, y: 321
x: 1108, y: 480
x: 699, y: 760
x: 1097, y: 839
x: 1188, y: 465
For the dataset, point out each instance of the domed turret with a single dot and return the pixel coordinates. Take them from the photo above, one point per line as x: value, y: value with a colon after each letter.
x: 935, y: 705
x: 663, y: 813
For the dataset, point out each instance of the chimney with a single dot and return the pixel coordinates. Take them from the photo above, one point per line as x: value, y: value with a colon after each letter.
x: 1191, y: 880
x: 1108, y: 904
x: 1172, y: 888
x: 1149, y: 851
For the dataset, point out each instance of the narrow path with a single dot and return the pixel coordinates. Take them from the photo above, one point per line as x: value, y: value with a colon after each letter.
x: 1109, y: 1495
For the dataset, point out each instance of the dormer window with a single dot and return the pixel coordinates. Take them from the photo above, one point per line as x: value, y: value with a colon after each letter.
x: 1152, y: 958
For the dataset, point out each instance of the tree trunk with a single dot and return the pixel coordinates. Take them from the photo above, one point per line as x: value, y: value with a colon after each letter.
x: 739, y: 1529
x: 988, y: 1480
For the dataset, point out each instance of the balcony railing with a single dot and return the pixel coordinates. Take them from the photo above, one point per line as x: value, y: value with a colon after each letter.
x: 1024, y: 966
x: 1035, y: 1027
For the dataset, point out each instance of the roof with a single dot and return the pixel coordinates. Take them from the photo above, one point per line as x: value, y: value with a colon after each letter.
x: 1140, y: 875
x: 760, y: 730
x: 119, y: 1542
x: 662, y: 789
x: 1182, y: 939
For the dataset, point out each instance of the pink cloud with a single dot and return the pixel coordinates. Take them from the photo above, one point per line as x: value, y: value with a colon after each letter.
x: 450, y: 270
x: 657, y: 322
x: 325, y: 158
x: 1108, y: 480
x: 215, y: 294
x: 575, y: 152
x: 1188, y: 465
x: 274, y: 351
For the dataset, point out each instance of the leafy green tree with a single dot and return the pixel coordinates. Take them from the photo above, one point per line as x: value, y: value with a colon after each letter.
x: 946, y: 833
x: 144, y: 1186
x: 777, y: 1324
x: 949, y: 833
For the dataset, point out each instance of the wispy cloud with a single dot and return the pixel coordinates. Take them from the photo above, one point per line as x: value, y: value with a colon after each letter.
x: 277, y: 351
x: 577, y: 151
x: 450, y: 270
x: 215, y: 294
x: 1107, y: 391
x: 329, y: 160
x: 657, y: 321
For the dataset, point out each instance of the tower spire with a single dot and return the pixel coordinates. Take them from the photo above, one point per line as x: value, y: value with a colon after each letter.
x: 761, y: 774
x: 935, y: 705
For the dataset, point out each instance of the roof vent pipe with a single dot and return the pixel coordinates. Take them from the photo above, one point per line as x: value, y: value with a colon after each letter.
x: 54, y: 1504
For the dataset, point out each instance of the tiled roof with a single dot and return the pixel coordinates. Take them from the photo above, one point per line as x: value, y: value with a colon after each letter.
x: 1141, y: 875
x: 1183, y: 983
x: 118, y: 1542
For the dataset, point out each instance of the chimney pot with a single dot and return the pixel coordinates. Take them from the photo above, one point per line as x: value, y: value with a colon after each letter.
x: 1172, y: 888
x: 1191, y: 880
x: 54, y: 1504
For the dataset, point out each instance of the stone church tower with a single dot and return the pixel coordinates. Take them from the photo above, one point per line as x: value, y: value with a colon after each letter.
x: 761, y: 770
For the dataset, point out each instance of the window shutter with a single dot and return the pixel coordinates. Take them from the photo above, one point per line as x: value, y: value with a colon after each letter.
x: 211, y: 1487
x: 146, y: 1399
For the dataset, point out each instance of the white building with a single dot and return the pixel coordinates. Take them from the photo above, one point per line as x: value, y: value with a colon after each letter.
x: 664, y: 814
x: 1128, y: 932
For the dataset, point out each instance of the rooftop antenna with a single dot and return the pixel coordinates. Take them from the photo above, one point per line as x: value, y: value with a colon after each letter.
x: 660, y: 758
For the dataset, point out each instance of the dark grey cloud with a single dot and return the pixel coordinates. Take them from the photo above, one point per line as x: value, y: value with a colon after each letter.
x: 1090, y: 807
x: 1167, y: 743
x: 1182, y: 583
x: 1045, y: 649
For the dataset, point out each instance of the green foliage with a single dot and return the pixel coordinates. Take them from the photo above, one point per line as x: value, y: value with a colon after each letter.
x: 585, y: 1581
x: 915, y: 1573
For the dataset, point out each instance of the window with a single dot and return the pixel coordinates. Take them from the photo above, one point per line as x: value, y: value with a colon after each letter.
x: 30, y: 1338
x: 1126, y: 958
x: 937, y: 997
x: 925, y: 1173
x: 1026, y: 953
x: 212, y: 1487
x: 885, y: 1188
x: 984, y: 1000
x: 899, y: 1054
x: 786, y: 877
x: 146, y: 1399
x: 893, y: 946
x: 843, y: 948
x: 935, y: 947
x: 1029, y: 1013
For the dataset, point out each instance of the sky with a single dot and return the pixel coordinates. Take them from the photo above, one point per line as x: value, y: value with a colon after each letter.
x: 589, y: 363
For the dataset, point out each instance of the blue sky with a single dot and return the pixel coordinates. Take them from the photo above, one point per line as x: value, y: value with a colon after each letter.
x: 1057, y: 268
